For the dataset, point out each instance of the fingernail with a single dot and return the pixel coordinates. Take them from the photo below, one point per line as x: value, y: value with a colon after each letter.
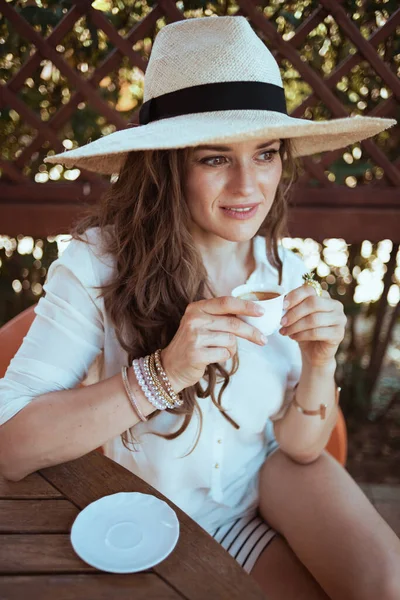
x: 264, y: 339
x: 259, y: 309
x: 286, y: 303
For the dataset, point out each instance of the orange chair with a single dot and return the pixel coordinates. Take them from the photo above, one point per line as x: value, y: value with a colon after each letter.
x: 13, y: 332
x: 11, y: 336
x: 337, y: 444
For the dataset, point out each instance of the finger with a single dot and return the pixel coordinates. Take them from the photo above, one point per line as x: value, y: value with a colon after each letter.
x: 237, y: 327
x: 214, y: 355
x: 303, y: 317
x: 301, y: 293
x: 310, y: 304
x: 229, y: 305
x: 218, y: 339
x: 325, y: 334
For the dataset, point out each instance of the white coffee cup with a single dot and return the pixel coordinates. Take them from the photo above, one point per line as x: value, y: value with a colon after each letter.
x: 270, y: 321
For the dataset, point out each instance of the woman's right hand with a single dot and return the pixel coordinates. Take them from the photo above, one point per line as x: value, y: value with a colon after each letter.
x: 207, y: 334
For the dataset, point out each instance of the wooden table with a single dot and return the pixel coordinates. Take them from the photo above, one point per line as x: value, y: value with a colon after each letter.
x: 37, y: 560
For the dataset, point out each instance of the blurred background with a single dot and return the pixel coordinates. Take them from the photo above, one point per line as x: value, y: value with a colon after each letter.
x: 71, y: 72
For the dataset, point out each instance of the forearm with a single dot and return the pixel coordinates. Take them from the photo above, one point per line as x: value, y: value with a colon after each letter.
x: 61, y: 426
x: 303, y: 437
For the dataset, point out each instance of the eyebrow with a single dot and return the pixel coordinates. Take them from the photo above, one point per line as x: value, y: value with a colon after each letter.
x: 228, y: 149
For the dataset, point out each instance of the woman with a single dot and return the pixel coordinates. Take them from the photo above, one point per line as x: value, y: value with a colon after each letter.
x: 190, y: 397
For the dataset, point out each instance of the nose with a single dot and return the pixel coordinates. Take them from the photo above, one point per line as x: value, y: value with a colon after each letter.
x: 243, y: 180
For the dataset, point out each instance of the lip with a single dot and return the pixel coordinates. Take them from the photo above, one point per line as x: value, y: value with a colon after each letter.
x: 242, y: 205
x: 241, y: 216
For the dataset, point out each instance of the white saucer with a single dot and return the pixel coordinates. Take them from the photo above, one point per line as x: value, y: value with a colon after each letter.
x: 125, y: 532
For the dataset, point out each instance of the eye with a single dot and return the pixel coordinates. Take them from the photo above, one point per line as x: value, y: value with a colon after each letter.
x: 206, y: 161
x: 270, y: 154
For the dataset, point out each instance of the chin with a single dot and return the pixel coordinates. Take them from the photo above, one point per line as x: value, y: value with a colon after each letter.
x: 240, y: 234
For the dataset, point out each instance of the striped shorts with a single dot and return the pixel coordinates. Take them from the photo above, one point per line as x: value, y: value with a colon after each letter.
x: 245, y: 539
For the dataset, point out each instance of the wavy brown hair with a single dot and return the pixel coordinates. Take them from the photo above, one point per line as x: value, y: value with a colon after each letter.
x: 159, y: 270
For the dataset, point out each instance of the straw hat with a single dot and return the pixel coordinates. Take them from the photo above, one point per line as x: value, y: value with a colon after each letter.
x: 213, y: 80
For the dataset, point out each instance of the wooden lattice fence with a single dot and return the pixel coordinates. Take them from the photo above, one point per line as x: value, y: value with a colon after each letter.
x: 359, y: 203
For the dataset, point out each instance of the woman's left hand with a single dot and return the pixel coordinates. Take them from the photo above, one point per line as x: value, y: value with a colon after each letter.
x: 317, y: 323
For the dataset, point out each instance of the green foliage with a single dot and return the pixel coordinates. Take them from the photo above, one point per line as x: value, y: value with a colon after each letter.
x: 85, y: 48
x: 28, y: 271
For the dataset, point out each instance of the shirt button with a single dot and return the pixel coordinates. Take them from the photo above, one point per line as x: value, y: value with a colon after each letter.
x: 219, y: 441
x: 216, y: 466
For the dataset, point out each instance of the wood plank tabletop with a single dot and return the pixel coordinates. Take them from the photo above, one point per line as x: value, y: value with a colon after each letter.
x: 37, y: 559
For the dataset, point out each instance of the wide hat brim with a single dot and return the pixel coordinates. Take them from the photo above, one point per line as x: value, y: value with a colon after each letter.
x: 107, y: 154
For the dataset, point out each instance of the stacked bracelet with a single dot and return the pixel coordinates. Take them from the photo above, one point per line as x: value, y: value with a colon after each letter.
x: 154, y: 382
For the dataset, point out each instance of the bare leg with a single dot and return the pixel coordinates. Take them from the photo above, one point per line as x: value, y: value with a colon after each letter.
x: 282, y: 576
x: 332, y: 527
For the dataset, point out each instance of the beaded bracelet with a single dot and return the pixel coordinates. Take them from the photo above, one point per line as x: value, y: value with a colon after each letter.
x: 149, y: 382
x: 153, y: 373
x: 141, y: 379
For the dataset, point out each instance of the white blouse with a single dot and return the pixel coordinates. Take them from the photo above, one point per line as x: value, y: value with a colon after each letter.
x: 72, y: 338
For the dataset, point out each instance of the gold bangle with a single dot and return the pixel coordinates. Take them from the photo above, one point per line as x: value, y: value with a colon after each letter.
x: 129, y: 393
x: 322, y: 407
x: 177, y: 398
x: 156, y: 381
x: 153, y: 371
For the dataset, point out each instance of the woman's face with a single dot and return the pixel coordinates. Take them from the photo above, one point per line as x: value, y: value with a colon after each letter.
x: 221, y: 179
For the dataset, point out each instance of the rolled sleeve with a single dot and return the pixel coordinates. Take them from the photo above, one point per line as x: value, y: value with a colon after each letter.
x: 65, y: 337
